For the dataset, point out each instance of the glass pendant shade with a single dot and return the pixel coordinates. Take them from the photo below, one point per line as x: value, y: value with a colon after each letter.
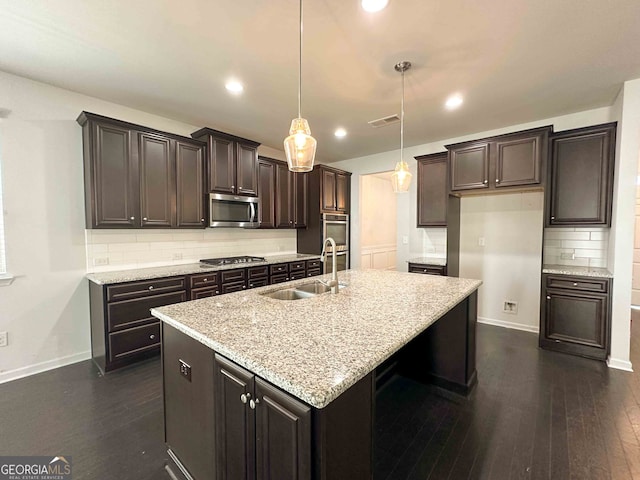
x: 300, y: 146
x: 401, y: 177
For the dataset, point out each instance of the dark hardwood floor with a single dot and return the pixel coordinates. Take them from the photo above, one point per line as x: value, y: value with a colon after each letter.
x: 535, y: 415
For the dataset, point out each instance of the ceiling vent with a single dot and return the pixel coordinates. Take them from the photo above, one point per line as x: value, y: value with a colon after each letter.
x: 381, y: 122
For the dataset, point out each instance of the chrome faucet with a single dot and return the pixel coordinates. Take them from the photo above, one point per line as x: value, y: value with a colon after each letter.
x: 333, y: 283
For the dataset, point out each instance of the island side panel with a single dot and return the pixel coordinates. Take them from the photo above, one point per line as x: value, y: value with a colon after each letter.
x: 188, y: 403
x: 343, y: 434
x: 445, y: 353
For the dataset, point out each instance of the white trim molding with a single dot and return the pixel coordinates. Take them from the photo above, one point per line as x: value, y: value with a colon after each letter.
x: 22, y: 372
x: 512, y: 325
x: 619, y: 364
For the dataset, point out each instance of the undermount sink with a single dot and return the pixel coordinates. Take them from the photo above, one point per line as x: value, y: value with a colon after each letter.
x: 306, y: 290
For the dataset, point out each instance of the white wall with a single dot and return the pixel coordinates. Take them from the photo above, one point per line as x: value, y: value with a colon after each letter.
x: 46, y: 308
x: 510, y: 262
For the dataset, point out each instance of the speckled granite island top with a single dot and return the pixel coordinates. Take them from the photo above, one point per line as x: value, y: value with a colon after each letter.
x: 440, y: 261
x: 132, y: 275
x: 580, y: 271
x: 316, y: 348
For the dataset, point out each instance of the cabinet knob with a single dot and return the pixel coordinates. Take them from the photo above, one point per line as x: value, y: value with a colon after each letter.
x: 243, y: 286
x: 244, y: 398
x: 152, y: 336
x: 239, y: 188
x: 150, y: 287
x: 253, y: 403
x: 553, y: 218
x: 145, y: 219
x: 202, y: 220
x: 132, y: 218
x: 217, y: 292
x: 251, y: 284
x: 232, y: 186
x: 497, y: 180
x: 575, y: 284
x: 424, y: 269
x: 485, y: 182
x: 548, y: 297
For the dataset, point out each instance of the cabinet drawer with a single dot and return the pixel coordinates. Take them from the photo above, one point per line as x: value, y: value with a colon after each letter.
x: 204, y: 292
x: 232, y: 287
x: 134, y: 340
x: 427, y: 269
x: 578, y: 283
x: 125, y: 291
x: 129, y: 313
x: 313, y: 263
x: 279, y: 278
x: 297, y: 275
x: 258, y: 282
x: 279, y: 268
x: 203, y: 280
x: 312, y: 272
x: 257, y: 272
x: 301, y: 265
x: 227, y: 276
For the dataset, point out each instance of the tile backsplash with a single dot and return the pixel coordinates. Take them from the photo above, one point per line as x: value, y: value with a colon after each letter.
x: 584, y: 247
x: 122, y: 249
x: 431, y: 242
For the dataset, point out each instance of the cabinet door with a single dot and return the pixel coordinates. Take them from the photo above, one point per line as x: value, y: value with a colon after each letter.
x: 283, y: 435
x: 576, y: 317
x: 328, y: 181
x: 518, y: 160
x: 342, y: 192
x: 157, y: 184
x: 114, y: 184
x: 284, y: 214
x: 582, y: 177
x: 247, y: 174
x: 190, y: 201
x: 222, y: 165
x: 266, y: 194
x: 469, y: 166
x: 235, y: 421
x: 300, y: 199
x: 432, y: 190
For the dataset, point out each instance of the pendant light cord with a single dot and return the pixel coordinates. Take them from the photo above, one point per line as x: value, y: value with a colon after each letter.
x: 300, y: 68
x: 402, y: 122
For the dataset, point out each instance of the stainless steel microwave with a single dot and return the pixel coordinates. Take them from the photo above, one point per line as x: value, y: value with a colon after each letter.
x: 233, y: 211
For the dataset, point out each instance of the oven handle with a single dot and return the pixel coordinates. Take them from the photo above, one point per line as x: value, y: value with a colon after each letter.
x: 252, y: 212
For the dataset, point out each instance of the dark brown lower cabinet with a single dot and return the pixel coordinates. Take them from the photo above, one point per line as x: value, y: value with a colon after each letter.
x: 575, y: 315
x: 261, y: 433
x: 427, y: 269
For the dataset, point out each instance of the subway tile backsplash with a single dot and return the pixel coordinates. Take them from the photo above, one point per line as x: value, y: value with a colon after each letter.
x: 584, y: 247
x: 118, y: 250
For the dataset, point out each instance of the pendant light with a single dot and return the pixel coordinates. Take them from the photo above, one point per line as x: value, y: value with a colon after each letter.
x: 401, y: 177
x: 300, y: 146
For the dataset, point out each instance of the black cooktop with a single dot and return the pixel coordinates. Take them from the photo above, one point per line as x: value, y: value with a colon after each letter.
x: 231, y: 260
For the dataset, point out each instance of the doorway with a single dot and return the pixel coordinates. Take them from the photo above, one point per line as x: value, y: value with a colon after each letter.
x: 378, y: 222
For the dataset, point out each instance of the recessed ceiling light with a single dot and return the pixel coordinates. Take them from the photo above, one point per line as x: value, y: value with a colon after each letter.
x: 453, y: 102
x: 374, y: 5
x: 340, y: 132
x: 234, y: 86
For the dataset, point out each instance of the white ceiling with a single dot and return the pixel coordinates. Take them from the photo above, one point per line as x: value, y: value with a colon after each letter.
x: 513, y: 60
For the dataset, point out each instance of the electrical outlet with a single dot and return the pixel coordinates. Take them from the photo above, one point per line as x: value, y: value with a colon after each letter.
x: 177, y: 256
x: 97, y: 262
x: 4, y: 339
x: 510, y: 306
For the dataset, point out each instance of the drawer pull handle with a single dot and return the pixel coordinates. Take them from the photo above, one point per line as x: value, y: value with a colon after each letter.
x: 575, y: 284
x: 150, y: 287
x: 152, y: 336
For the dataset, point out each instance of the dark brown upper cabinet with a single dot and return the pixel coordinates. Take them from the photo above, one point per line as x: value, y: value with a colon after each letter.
x: 138, y: 177
x: 581, y: 177
x: 286, y: 197
x: 232, y: 162
x: 333, y: 188
x: 266, y: 193
x: 432, y: 190
x: 512, y: 161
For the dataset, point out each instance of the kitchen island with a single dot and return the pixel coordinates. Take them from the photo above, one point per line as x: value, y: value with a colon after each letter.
x: 257, y: 387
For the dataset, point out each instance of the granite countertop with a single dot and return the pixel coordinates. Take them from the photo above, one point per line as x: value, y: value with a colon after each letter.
x: 580, y: 271
x: 316, y: 348
x: 120, y: 276
x: 439, y: 261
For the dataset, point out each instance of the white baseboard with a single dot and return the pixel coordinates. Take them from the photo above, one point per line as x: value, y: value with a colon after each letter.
x: 619, y: 364
x: 512, y: 325
x: 22, y: 372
